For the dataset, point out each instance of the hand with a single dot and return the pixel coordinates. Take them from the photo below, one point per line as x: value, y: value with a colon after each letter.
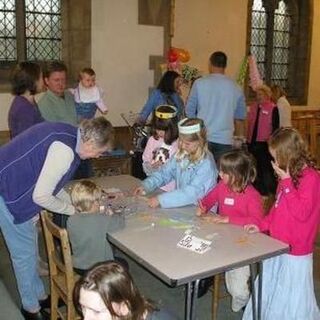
x: 201, y: 209
x: 153, y: 202
x: 280, y: 172
x: 220, y: 219
x: 139, y: 191
x: 251, y: 228
x: 156, y: 165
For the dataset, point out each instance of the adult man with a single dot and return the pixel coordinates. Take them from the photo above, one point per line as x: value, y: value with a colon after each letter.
x: 57, y: 103
x: 34, y: 167
x: 218, y: 101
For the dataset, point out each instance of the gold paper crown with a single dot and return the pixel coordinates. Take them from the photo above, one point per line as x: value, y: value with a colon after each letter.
x: 166, y: 115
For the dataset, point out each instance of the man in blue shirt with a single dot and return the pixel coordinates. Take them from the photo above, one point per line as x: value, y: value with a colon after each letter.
x: 218, y: 101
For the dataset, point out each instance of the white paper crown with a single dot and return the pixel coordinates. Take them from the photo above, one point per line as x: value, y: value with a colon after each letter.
x: 166, y: 115
x: 194, y: 128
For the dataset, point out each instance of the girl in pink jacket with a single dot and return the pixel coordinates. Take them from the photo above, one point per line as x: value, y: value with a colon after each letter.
x: 238, y: 203
x: 288, y: 291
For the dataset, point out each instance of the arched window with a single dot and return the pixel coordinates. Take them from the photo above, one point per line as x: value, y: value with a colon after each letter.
x: 279, y: 37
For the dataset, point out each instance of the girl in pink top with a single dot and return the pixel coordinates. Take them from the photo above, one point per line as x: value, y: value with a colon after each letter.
x: 163, y: 143
x: 288, y: 291
x: 238, y: 203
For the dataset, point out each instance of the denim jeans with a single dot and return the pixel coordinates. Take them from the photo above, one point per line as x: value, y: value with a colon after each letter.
x: 21, y: 240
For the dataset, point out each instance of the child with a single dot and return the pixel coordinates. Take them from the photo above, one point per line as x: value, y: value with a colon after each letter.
x: 107, y: 291
x: 238, y: 203
x: 88, y: 228
x: 88, y: 96
x: 288, y: 291
x: 163, y: 143
x: 192, y: 168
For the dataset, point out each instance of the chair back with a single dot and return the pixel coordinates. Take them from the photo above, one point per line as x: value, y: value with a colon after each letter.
x: 62, y: 278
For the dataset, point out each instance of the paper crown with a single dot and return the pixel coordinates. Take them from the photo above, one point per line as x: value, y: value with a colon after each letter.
x: 166, y: 115
x: 194, y: 128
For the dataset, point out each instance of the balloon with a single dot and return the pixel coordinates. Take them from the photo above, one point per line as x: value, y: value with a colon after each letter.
x: 184, y: 55
x: 173, y: 55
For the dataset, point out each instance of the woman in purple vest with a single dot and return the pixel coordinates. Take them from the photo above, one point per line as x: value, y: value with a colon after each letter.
x: 24, y: 112
x: 263, y: 120
x: 34, y: 167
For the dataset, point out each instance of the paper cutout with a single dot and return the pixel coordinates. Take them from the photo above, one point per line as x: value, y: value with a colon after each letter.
x: 194, y: 244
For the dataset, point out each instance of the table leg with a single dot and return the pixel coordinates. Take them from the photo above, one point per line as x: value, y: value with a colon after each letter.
x: 188, y: 307
x: 253, y: 292
x: 194, y: 299
x: 260, y: 290
x: 191, y: 297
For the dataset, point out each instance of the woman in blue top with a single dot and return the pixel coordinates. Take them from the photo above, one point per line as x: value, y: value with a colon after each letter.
x: 167, y: 92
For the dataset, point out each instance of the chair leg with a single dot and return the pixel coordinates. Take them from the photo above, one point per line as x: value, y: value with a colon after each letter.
x: 215, y: 296
x: 54, y: 303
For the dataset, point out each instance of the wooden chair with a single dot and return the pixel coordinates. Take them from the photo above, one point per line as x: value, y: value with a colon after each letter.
x: 62, y: 277
x: 314, y: 135
x: 216, y: 294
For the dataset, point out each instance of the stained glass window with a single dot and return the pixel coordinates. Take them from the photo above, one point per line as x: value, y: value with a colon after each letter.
x: 41, y: 39
x: 270, y: 40
x: 8, y: 43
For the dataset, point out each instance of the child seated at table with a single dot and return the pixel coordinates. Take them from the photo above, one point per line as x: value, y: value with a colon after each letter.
x: 238, y: 203
x: 88, y: 228
x: 192, y: 168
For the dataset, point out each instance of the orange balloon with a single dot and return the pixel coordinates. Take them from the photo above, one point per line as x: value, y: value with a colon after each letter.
x: 183, y: 55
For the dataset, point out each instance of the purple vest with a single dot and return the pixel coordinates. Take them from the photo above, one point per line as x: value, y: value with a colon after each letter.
x: 21, y: 161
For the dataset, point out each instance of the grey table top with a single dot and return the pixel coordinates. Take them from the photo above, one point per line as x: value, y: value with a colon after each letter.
x: 151, y: 236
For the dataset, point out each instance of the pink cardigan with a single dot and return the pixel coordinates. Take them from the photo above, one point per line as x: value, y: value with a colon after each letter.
x: 241, y: 207
x: 295, y: 217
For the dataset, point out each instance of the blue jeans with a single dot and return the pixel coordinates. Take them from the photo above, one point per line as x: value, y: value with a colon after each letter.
x: 21, y: 240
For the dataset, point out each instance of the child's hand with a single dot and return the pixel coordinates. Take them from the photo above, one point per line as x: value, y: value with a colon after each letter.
x: 139, y: 192
x: 280, y: 172
x: 153, y: 202
x: 251, y: 228
x: 156, y: 165
x: 220, y: 219
x: 201, y: 209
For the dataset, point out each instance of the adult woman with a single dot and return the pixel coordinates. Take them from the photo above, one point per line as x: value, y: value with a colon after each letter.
x: 24, y: 112
x: 107, y: 292
x: 34, y: 167
x: 167, y: 92
x: 263, y: 119
x: 279, y: 98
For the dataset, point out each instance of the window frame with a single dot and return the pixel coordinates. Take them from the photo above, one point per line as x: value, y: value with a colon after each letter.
x: 299, y: 43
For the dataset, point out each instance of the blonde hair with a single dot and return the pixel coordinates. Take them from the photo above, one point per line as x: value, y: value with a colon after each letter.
x: 84, y: 195
x: 265, y: 89
x: 291, y: 152
x: 200, y: 136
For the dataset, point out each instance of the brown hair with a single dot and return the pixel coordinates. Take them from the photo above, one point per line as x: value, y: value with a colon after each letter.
x: 200, y: 136
x: 277, y: 92
x: 54, y: 66
x: 84, y: 195
x: 291, y: 152
x: 114, y: 284
x: 169, y: 126
x: 241, y: 168
x: 99, y: 130
x: 89, y: 71
x: 25, y: 77
x: 265, y: 89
